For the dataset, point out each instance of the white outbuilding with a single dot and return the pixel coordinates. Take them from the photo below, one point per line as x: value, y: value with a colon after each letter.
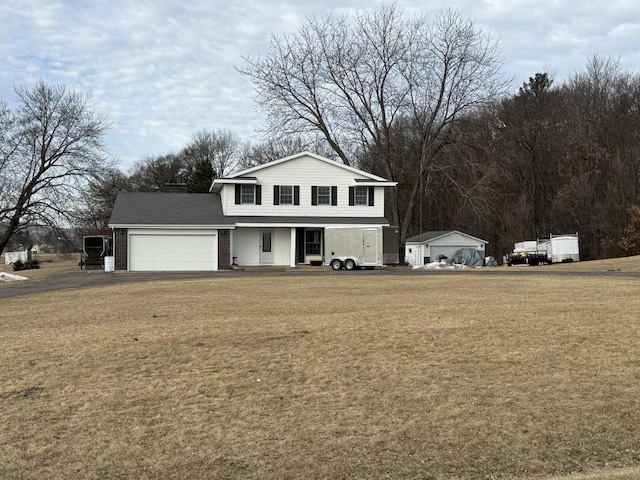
x: 431, y: 246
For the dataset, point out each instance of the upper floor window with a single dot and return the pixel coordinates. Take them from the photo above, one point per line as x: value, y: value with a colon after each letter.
x: 324, y: 195
x: 248, y: 194
x: 361, y: 196
x: 286, y: 195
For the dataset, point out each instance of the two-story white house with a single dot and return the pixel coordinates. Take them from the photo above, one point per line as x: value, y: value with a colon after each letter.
x: 272, y: 214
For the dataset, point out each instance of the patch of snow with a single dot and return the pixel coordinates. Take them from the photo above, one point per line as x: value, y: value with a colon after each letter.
x: 9, y: 277
x: 440, y: 266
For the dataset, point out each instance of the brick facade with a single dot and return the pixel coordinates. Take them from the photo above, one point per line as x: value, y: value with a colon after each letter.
x: 121, y: 247
x: 224, y: 249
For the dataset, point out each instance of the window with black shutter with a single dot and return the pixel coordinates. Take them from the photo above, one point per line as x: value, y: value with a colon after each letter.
x: 286, y: 195
x: 324, y: 195
x: 360, y: 195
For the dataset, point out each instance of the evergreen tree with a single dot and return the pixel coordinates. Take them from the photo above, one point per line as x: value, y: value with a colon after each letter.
x: 201, y: 178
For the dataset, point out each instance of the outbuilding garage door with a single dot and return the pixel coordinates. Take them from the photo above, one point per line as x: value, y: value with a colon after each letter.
x: 173, y: 252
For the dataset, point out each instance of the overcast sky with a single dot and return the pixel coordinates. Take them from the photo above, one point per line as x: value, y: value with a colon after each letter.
x: 161, y: 70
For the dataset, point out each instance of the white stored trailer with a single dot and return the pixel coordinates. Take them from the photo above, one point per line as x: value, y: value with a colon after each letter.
x: 563, y: 248
x: 555, y: 249
x: 355, y: 247
x: 12, y: 257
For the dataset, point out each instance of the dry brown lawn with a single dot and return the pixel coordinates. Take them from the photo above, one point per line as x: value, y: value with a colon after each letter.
x: 625, y: 264
x: 337, y: 376
x: 50, y: 264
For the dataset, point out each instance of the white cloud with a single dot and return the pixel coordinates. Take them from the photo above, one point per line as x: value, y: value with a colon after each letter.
x: 162, y: 70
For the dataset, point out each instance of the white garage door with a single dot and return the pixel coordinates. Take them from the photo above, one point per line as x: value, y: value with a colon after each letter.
x: 173, y: 252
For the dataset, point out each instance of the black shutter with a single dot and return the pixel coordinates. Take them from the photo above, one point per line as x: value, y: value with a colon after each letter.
x: 258, y: 194
x: 296, y: 195
x: 371, y: 200
x: 334, y: 196
x: 314, y: 195
x: 276, y: 195
x: 352, y: 196
x: 237, y: 194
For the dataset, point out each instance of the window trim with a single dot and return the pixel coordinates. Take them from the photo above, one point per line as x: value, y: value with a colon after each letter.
x: 278, y: 195
x: 285, y: 198
x: 354, y: 195
x: 257, y: 194
x: 332, y: 195
x: 324, y: 198
x: 361, y: 196
x: 247, y: 191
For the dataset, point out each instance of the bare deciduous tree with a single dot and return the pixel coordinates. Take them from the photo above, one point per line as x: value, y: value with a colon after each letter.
x: 159, y: 174
x: 50, y: 146
x: 353, y: 79
x: 277, y: 147
x: 99, y: 196
x: 219, y: 148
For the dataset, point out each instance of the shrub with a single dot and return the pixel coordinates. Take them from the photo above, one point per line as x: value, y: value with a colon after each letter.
x: 20, y: 265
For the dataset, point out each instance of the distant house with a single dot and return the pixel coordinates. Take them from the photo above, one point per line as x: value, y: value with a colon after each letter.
x: 430, y: 246
x: 272, y: 214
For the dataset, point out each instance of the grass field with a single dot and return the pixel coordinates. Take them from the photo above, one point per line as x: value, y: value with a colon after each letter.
x: 337, y: 376
x: 50, y: 264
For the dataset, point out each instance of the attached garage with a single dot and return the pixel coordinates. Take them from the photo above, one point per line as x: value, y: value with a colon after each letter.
x: 170, y: 232
x: 165, y: 250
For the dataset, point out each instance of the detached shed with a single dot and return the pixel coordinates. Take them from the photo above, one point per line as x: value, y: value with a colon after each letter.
x: 428, y: 246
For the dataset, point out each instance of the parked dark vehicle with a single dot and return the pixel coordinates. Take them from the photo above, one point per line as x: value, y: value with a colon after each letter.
x: 95, y: 248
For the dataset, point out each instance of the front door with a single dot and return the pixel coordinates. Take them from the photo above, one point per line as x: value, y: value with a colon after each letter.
x: 266, y: 246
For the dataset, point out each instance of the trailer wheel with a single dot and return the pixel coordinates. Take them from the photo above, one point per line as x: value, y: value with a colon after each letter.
x: 336, y: 264
x: 349, y: 264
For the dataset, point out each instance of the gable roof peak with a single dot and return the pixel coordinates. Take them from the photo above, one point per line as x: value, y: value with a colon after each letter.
x: 306, y: 153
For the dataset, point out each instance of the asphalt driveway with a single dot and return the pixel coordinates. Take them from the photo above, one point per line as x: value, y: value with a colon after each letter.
x: 95, y: 278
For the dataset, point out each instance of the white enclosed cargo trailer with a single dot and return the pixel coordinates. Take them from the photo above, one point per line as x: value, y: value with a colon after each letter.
x: 555, y: 249
x: 563, y: 248
x: 355, y: 247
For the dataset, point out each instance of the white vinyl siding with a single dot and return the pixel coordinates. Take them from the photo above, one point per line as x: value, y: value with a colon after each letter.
x: 447, y: 245
x: 246, y: 246
x: 305, y: 172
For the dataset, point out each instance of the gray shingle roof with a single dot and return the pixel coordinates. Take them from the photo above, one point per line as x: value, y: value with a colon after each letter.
x: 311, y: 220
x: 423, y: 237
x: 426, y: 236
x: 141, y: 208
x: 204, y: 209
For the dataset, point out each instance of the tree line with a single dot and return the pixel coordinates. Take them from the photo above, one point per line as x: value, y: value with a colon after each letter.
x: 423, y: 101
x: 420, y: 101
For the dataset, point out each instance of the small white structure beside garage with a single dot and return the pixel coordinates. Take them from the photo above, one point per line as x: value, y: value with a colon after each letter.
x: 430, y: 246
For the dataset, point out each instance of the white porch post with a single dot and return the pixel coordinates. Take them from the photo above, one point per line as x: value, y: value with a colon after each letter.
x: 293, y: 247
